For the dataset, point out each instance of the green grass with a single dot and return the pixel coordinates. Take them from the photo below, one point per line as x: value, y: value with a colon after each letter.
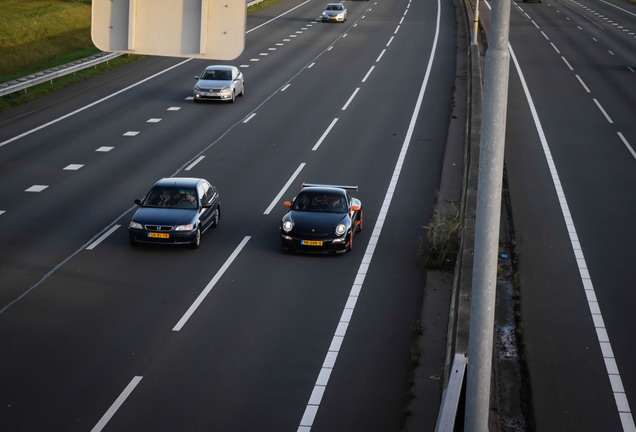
x: 38, y: 34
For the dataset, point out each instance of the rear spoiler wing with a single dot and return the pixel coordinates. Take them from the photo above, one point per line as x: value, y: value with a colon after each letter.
x: 350, y: 187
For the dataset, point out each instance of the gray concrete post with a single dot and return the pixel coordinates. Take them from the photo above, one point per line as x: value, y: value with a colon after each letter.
x: 490, y: 179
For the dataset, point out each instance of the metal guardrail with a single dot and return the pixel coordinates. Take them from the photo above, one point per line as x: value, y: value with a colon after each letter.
x: 70, y: 68
x: 53, y: 73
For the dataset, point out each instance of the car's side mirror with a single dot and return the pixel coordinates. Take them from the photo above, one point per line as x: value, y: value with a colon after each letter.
x: 355, y: 208
x: 287, y: 204
x: 196, y: 77
x: 138, y: 201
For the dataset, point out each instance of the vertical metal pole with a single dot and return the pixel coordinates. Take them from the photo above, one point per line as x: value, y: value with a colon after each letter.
x: 475, y: 24
x: 487, y: 220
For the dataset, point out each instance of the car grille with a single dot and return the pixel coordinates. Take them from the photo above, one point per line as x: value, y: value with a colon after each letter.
x: 216, y: 90
x: 310, y: 234
x: 158, y: 227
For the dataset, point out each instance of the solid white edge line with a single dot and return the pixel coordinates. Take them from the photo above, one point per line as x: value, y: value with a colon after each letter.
x: 324, y: 135
x: 284, y: 189
x: 117, y: 404
x: 85, y: 107
x: 611, y: 367
x: 210, y: 285
x: 103, y: 237
x: 193, y: 164
x: 276, y: 17
x: 311, y: 409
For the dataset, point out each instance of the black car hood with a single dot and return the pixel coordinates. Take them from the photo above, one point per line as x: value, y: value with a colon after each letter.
x: 316, y: 222
x: 165, y: 216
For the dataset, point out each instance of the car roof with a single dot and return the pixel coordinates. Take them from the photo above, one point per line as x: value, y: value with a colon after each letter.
x: 219, y: 67
x: 179, y: 181
x: 323, y: 189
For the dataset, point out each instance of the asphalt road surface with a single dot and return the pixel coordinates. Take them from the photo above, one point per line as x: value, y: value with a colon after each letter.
x: 235, y: 336
x: 571, y: 165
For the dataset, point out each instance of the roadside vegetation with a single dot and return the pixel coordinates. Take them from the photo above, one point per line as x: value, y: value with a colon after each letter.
x: 37, y: 35
x: 443, y: 238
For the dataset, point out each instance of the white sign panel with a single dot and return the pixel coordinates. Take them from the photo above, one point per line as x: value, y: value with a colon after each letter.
x: 209, y: 29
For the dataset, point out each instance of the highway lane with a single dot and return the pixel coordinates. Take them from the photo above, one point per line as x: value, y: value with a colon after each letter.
x: 249, y: 357
x: 574, y: 255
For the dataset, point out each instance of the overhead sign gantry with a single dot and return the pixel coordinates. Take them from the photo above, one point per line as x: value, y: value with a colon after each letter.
x: 207, y: 29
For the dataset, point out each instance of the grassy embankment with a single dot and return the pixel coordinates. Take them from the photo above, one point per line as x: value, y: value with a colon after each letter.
x: 36, y: 35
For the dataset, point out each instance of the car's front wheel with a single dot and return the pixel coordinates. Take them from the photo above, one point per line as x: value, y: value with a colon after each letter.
x: 215, y: 218
x: 197, y: 239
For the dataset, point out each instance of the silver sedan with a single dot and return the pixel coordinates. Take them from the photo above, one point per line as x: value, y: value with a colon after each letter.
x: 219, y: 82
x: 334, y: 12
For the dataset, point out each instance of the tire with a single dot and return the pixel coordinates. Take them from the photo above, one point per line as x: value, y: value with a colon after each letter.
x: 233, y: 96
x: 359, y: 226
x: 351, y: 241
x: 215, y: 218
x: 132, y: 240
x: 242, y: 91
x: 197, y: 240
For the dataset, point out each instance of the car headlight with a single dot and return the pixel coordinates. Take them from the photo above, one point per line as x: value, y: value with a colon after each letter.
x: 135, y: 225
x: 226, y: 90
x: 187, y: 227
x: 287, y: 226
x: 341, y: 229
x: 197, y: 88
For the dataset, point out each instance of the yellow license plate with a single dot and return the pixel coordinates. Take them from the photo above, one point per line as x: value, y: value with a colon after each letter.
x: 158, y: 235
x: 311, y: 242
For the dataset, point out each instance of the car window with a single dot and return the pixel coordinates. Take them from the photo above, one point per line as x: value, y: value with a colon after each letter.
x: 205, y: 192
x: 171, y: 197
x: 320, y: 202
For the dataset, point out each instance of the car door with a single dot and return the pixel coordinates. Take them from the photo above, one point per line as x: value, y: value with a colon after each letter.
x: 238, y: 81
x: 206, y: 195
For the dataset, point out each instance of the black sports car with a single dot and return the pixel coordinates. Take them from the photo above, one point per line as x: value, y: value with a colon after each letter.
x: 177, y: 210
x: 322, y: 219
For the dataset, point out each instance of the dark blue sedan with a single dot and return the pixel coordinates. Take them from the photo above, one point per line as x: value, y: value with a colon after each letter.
x: 177, y: 210
x: 321, y: 219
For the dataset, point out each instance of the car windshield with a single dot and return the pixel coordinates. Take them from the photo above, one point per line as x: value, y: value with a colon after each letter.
x: 218, y: 75
x: 334, y: 7
x: 171, y: 197
x: 320, y: 202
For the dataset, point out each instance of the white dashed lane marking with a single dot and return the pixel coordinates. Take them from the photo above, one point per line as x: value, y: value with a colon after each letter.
x: 36, y: 188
